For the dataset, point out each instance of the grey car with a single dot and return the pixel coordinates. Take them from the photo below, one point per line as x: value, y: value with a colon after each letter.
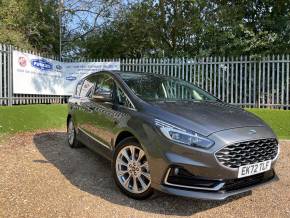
x: 165, y: 134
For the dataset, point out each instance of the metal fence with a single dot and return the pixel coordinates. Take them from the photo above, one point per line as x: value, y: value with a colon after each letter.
x: 241, y: 80
x: 6, y: 84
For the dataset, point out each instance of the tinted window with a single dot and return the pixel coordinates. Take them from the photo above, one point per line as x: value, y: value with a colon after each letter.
x: 104, y: 85
x: 158, y: 88
x: 123, y: 99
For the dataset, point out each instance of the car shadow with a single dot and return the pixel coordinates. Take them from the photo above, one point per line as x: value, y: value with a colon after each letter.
x: 92, y: 173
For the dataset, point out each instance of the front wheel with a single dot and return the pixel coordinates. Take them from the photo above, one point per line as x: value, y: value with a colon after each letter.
x: 131, y: 170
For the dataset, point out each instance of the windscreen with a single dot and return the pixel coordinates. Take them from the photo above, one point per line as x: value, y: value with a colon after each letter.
x: 152, y: 87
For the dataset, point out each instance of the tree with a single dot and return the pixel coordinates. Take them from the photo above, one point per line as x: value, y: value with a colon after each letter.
x: 195, y: 28
x: 148, y: 28
x: 82, y: 18
x: 247, y: 27
x: 30, y: 24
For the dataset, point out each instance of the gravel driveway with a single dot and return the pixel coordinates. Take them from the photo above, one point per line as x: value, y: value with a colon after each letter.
x: 40, y: 176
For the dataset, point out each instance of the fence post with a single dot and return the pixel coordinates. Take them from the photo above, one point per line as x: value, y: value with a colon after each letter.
x: 10, y: 77
x: 259, y: 84
x: 1, y: 74
x: 287, y: 83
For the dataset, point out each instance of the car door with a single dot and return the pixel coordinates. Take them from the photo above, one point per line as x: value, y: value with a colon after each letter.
x: 101, y: 114
x: 104, y: 112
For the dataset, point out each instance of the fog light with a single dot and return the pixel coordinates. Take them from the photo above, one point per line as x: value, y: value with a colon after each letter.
x: 176, y: 171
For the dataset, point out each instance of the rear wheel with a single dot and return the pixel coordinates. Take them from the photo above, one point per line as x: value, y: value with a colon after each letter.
x: 131, y: 169
x: 71, y: 134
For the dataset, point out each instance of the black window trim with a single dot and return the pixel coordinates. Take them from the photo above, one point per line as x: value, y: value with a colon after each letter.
x: 133, y: 106
x: 81, y: 82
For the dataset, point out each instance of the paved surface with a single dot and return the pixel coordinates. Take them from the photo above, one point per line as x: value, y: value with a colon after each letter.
x: 40, y: 176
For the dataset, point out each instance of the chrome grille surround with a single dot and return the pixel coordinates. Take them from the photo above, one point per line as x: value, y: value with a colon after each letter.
x: 249, y: 152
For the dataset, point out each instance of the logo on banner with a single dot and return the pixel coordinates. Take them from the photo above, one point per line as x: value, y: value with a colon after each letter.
x: 22, y: 61
x: 70, y: 78
x: 58, y: 67
x: 41, y: 64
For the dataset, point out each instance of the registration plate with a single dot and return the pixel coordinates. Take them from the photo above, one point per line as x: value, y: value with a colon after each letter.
x: 252, y: 169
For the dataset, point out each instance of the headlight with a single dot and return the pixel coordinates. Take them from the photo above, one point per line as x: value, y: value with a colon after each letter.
x: 183, y: 136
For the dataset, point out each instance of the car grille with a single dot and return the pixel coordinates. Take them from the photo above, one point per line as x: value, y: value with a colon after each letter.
x: 249, y: 152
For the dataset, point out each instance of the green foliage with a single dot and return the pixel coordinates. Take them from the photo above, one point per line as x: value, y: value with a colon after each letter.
x: 248, y: 27
x: 30, y: 24
x: 194, y: 28
x: 149, y: 28
x: 130, y: 33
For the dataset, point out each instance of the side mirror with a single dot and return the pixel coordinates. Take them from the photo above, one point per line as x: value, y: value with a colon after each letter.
x: 102, y: 97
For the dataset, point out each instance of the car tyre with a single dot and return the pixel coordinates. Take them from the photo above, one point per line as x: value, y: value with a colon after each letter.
x: 71, y: 135
x: 131, y: 169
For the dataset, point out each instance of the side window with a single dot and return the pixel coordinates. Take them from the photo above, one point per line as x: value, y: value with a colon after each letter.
x: 87, y: 88
x: 104, y: 86
x: 123, y: 99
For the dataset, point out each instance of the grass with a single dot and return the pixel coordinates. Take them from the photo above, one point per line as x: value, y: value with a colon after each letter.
x: 279, y: 120
x: 33, y: 117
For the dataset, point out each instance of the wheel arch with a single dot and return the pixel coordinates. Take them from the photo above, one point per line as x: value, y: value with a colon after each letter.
x: 123, y: 135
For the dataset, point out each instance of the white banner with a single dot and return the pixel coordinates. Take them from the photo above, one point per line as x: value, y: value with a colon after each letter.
x: 37, y: 75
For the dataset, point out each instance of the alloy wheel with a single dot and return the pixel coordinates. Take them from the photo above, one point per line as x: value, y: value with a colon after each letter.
x: 71, y: 132
x: 132, y: 169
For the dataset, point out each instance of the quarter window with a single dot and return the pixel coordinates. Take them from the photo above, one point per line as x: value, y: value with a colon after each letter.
x: 123, y: 99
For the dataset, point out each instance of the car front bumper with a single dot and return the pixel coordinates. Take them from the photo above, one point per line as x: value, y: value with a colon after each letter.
x: 210, y: 178
x: 212, y: 195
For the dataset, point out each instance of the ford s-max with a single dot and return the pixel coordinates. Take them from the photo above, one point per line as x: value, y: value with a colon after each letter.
x: 165, y: 134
